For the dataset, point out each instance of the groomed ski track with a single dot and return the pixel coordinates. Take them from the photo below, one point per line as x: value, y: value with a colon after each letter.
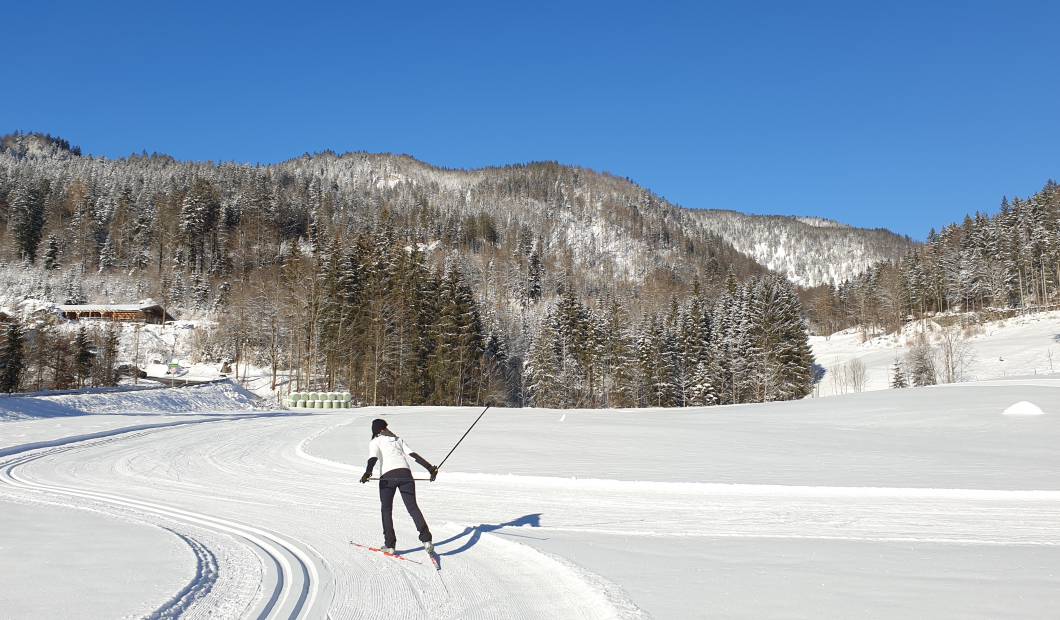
x: 238, y: 491
x: 289, y: 574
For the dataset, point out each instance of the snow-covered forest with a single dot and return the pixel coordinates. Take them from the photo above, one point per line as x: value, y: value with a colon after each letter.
x: 808, y: 251
x: 404, y: 283
x: 992, y: 263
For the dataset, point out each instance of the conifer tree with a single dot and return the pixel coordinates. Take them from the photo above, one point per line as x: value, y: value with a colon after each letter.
x: 107, y: 258
x: 27, y: 220
x: 104, y: 371
x: 51, y: 254
x: 544, y: 385
x: 921, y: 363
x: 12, y: 363
x: 62, y: 373
x: 897, y: 376
x: 616, y: 361
x: 701, y: 391
x: 83, y: 356
x: 200, y: 290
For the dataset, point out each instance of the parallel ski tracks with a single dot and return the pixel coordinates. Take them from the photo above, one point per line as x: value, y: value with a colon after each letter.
x: 292, y: 578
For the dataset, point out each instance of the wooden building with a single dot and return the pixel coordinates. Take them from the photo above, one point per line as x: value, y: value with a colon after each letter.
x: 136, y: 313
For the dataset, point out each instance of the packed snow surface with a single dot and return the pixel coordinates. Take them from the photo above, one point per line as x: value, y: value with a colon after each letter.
x: 219, y: 396
x: 890, y: 504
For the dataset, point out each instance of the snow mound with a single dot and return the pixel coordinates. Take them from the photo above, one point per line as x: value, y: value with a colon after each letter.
x: 223, y: 396
x: 1023, y: 408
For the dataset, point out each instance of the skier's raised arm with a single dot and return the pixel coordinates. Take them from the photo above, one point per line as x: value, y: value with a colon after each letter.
x: 419, y: 459
x: 423, y: 463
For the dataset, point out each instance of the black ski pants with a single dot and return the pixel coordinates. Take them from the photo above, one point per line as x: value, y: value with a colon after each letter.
x: 387, y: 489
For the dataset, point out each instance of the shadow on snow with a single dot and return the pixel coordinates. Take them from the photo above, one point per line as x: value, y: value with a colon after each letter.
x: 474, y: 533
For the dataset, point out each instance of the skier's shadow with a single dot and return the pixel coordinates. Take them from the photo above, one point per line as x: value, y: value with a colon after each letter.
x: 474, y: 533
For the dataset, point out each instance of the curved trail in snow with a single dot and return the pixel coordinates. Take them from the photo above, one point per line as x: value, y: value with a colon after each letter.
x: 240, y: 487
x: 289, y: 579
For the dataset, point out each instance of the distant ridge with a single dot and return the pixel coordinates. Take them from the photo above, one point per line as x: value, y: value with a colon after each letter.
x: 809, y: 251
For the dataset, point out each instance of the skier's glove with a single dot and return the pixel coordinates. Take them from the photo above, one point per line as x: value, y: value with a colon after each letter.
x: 434, y: 473
x: 365, y: 477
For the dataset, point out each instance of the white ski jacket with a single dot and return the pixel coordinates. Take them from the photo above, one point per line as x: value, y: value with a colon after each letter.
x: 392, y: 453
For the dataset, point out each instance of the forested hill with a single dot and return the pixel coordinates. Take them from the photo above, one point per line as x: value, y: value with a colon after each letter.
x: 323, y: 236
x: 606, y: 231
x: 808, y: 251
x: 1007, y: 260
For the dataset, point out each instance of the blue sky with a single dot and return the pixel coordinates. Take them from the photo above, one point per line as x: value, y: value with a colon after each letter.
x: 893, y: 114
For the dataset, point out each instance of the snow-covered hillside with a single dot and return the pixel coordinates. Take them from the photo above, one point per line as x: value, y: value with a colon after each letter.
x: 1024, y: 345
x: 925, y: 502
x: 808, y: 251
x: 218, y: 396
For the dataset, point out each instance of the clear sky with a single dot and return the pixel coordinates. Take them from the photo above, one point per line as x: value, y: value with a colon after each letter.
x: 905, y: 115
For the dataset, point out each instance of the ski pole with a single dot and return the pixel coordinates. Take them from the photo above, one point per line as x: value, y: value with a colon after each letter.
x: 464, y: 435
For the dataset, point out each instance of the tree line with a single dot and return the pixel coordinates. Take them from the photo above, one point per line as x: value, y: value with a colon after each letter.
x: 47, y: 357
x: 1010, y: 260
x: 403, y: 283
x: 748, y: 345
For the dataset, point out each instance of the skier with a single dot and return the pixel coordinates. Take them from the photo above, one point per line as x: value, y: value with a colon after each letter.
x: 391, y: 451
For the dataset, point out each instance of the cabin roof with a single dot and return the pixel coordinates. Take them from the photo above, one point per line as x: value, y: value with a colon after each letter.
x: 146, y: 308
x: 109, y: 307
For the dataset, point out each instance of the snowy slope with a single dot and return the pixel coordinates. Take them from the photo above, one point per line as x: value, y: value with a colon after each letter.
x: 1025, y: 345
x: 891, y: 504
x: 220, y: 396
x: 808, y: 251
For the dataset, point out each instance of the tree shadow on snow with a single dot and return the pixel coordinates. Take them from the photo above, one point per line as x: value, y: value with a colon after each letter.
x: 473, y: 534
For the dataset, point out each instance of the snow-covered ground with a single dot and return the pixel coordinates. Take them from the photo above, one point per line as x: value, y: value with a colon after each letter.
x: 891, y: 504
x: 1025, y: 345
x: 220, y: 396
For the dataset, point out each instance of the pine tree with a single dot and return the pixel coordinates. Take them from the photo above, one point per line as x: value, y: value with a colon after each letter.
x: 616, y: 360
x: 786, y: 342
x: 83, y: 356
x: 658, y: 376
x: 535, y: 273
x: 897, y: 376
x: 543, y: 367
x: 458, y: 343
x: 104, y: 371
x: 200, y: 291
x: 27, y: 220
x: 177, y: 291
x: 72, y: 290
x: 198, y: 216
x: 12, y: 362
x: 107, y: 258
x: 701, y: 391
x: 921, y: 363
x: 62, y: 373
x: 51, y: 254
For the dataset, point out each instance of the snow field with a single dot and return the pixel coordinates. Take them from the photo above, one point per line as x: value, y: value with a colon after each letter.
x: 890, y: 504
x: 302, y: 522
x: 1022, y: 346
x: 931, y: 505
x: 220, y: 396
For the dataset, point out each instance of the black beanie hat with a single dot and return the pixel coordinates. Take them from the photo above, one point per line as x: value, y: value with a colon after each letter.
x: 377, y: 425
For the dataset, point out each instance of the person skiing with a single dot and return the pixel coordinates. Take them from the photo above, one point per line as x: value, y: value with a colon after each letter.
x: 391, y: 451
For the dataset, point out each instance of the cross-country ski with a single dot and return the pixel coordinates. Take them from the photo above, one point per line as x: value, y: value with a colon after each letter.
x: 385, y: 552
